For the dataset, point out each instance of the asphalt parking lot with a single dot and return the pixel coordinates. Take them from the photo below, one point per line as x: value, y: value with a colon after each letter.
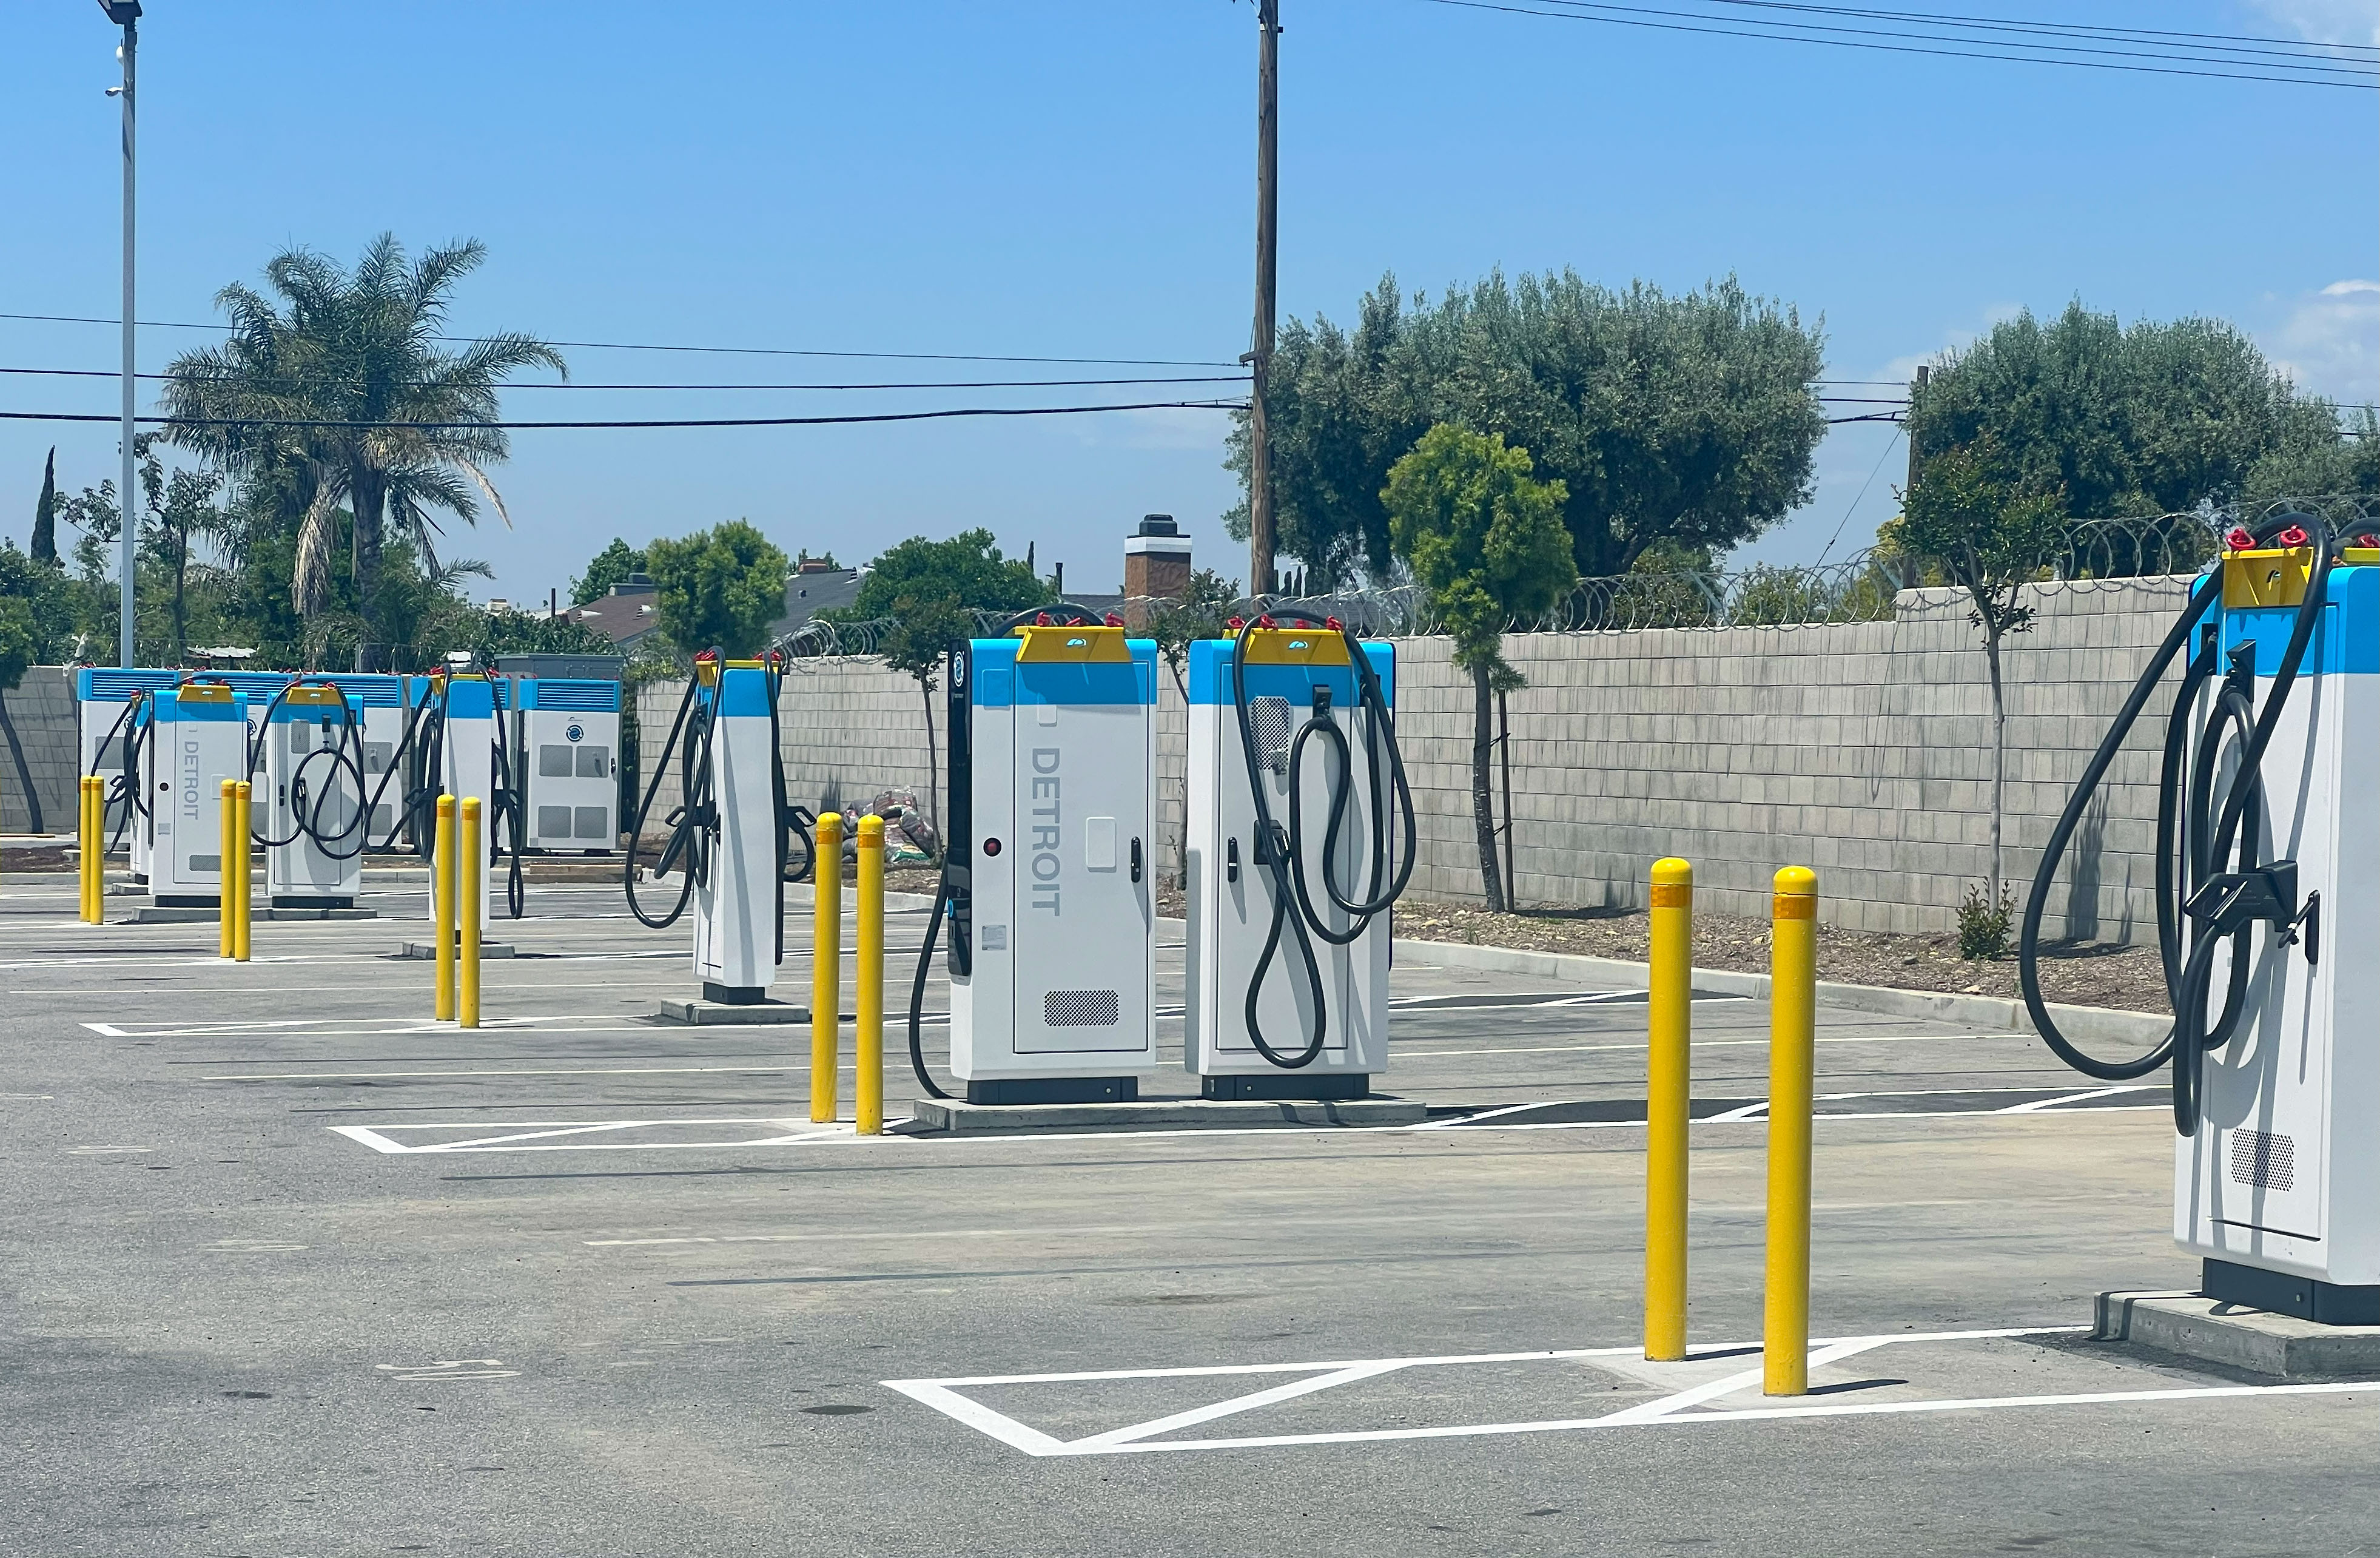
x: 290, y: 1269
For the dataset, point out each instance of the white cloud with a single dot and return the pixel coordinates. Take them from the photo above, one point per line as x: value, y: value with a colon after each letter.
x: 2323, y: 22
x: 1171, y: 427
x: 2329, y: 341
x: 1956, y: 339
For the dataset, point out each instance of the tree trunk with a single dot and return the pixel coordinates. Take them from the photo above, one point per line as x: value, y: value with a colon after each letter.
x: 933, y: 764
x: 367, y: 494
x: 2000, y: 749
x: 181, y: 606
x: 24, y: 775
x: 1482, y: 813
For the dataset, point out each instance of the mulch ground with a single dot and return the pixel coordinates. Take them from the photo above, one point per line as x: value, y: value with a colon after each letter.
x: 2083, y: 974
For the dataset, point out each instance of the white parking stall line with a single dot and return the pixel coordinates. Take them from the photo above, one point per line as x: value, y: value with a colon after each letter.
x: 1691, y: 1405
x: 2038, y: 1104
x: 536, y: 1135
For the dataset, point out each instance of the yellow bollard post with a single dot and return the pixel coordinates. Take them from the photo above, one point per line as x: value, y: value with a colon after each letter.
x: 242, y: 796
x: 469, y: 884
x: 826, y: 967
x: 442, y: 886
x: 1792, y: 1035
x: 88, y: 822
x: 227, y: 918
x: 867, y: 1012
x: 1668, y: 1088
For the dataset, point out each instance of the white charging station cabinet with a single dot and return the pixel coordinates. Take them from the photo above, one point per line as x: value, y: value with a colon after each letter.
x: 1052, y: 825
x: 198, y: 738
x: 567, y: 733
x: 309, y: 773
x: 101, y: 695
x: 735, y: 897
x: 2282, y: 1177
x: 466, y: 762
x: 1231, y: 896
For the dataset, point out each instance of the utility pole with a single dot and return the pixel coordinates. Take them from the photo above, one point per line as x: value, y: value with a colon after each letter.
x: 126, y: 14
x: 1916, y: 392
x: 1259, y: 360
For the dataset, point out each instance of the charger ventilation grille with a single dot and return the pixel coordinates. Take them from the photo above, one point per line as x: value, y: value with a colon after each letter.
x: 1078, y: 1008
x: 1269, y: 717
x: 2263, y: 1160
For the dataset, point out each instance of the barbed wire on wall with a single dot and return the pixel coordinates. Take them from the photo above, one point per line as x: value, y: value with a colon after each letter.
x: 1876, y: 585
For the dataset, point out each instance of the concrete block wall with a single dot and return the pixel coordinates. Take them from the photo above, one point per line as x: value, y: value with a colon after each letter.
x: 43, y: 710
x: 1861, y: 749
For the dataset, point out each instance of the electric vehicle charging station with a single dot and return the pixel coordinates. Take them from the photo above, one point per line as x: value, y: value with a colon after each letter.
x: 462, y: 760
x: 198, y: 738
x: 315, y: 791
x: 1053, y: 741
x: 728, y: 836
x: 2268, y: 895
x: 739, y: 893
x: 567, y: 745
x: 104, y: 722
x: 380, y: 696
x: 1292, y: 870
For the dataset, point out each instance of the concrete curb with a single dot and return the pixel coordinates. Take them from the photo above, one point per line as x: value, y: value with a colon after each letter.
x: 959, y: 1118
x: 2087, y: 1024
x: 2190, y: 1326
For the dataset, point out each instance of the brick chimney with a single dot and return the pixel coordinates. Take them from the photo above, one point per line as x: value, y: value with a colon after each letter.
x: 1157, y: 559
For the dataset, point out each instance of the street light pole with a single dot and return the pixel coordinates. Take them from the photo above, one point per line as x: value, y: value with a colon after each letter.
x: 1260, y: 358
x: 126, y: 14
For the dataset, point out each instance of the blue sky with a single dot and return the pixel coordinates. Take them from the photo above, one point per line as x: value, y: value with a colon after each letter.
x: 979, y: 178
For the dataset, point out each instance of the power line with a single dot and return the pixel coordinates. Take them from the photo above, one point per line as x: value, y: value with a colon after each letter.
x: 1738, y: 32
x: 2091, y: 29
x: 1889, y: 445
x: 743, y: 351
x: 574, y: 384
x: 658, y: 422
x: 1952, y: 31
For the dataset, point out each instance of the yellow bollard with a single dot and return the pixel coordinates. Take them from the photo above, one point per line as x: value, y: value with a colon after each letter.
x: 1793, y: 1034
x: 242, y: 825
x: 441, y: 885
x: 468, y: 885
x: 88, y: 867
x: 826, y: 967
x: 1668, y: 1088
x: 228, y: 917
x: 867, y: 1012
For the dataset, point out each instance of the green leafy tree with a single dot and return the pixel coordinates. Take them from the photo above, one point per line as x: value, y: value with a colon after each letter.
x: 37, y: 614
x: 2153, y: 417
x: 1685, y: 419
x: 45, y: 512
x: 401, y: 428
x: 610, y: 566
x: 2311, y: 462
x: 718, y: 588
x: 931, y: 591
x: 1990, y: 537
x: 1487, y: 539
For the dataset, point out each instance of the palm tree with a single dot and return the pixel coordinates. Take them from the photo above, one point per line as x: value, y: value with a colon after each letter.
x: 346, y: 382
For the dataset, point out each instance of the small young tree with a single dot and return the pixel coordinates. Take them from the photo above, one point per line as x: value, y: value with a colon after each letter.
x: 931, y: 590
x: 721, y: 587
x: 1990, y: 539
x: 1488, y: 542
